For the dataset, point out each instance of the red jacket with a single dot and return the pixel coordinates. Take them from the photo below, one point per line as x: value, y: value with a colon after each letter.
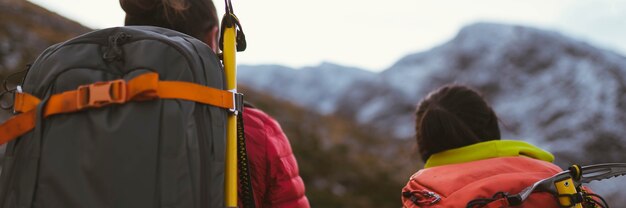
x: 273, y: 167
x: 455, y: 185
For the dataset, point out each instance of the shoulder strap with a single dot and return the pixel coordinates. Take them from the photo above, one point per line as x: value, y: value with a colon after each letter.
x: 248, y: 104
x: 143, y: 87
x: 247, y: 194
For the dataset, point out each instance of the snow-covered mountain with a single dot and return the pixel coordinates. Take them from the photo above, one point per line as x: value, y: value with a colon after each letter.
x: 547, y: 88
x: 552, y: 90
x: 319, y: 87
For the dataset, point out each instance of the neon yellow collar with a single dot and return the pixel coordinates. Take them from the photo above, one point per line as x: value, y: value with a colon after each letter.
x: 486, y: 150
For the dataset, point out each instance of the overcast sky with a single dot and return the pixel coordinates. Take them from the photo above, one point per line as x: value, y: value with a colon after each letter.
x: 374, y: 34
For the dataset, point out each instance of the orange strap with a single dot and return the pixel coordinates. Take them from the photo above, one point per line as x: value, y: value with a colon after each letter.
x: 16, y: 126
x: 143, y: 87
x: 25, y: 102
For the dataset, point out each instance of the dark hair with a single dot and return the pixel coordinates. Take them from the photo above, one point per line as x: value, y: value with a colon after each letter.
x: 453, y: 116
x: 192, y: 17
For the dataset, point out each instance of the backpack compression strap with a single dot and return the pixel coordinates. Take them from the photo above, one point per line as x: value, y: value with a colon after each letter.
x: 143, y: 87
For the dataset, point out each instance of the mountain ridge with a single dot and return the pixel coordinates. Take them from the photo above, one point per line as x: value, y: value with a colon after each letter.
x: 554, y: 91
x: 519, y: 56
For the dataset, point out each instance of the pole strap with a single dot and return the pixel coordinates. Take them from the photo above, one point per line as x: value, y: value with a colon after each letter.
x: 247, y: 193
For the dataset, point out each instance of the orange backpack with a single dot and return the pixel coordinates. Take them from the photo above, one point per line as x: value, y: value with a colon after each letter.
x: 457, y: 184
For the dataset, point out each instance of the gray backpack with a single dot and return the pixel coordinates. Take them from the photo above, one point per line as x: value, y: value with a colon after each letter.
x: 128, y: 139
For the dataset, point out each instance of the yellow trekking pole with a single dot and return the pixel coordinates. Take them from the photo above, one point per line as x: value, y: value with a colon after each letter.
x: 230, y: 68
x: 231, y: 41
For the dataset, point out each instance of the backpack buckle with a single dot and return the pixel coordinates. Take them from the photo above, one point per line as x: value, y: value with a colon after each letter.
x: 101, y: 93
x: 422, y: 197
x: 237, y: 102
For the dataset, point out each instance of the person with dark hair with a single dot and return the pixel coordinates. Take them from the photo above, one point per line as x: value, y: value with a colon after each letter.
x: 458, y: 138
x: 273, y: 167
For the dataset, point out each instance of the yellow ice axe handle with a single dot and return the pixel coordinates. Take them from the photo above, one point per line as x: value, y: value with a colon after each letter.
x: 230, y: 68
x: 566, y: 190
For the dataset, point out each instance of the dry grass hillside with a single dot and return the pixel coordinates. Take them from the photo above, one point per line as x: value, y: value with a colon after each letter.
x: 25, y: 31
x: 342, y: 164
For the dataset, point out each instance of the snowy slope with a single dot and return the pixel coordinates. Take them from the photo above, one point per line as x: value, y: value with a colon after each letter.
x: 319, y: 87
x: 546, y: 87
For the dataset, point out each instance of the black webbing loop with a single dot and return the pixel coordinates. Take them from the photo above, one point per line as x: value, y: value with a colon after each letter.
x: 231, y: 20
x: 573, y: 199
x: 10, y: 105
x: 481, y: 202
x: 576, y: 172
x: 10, y: 91
x: 590, y: 202
x: 228, y: 6
x: 413, y: 198
x: 247, y: 194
